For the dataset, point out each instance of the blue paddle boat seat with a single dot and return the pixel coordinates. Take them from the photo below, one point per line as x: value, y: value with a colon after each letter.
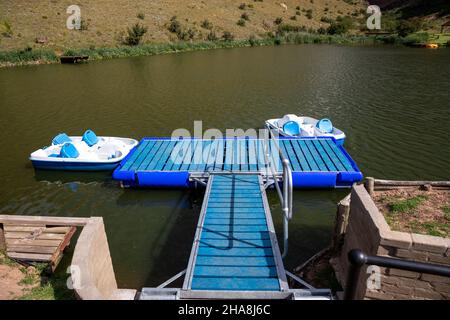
x: 68, y: 150
x: 61, y: 139
x: 325, y: 125
x: 90, y: 138
x: 292, y: 128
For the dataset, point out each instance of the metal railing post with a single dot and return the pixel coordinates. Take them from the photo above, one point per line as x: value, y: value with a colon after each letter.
x: 358, y: 259
x: 284, y: 193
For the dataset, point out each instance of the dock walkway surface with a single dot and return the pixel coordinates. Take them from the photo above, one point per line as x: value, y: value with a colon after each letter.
x: 235, y: 247
x: 168, y: 162
x: 235, y: 253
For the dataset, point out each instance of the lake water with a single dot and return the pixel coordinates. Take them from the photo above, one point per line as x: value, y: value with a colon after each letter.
x: 393, y: 104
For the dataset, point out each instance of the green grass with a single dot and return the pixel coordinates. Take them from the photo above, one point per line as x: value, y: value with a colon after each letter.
x: 431, y: 228
x: 54, y: 289
x: 28, y: 55
x: 407, y: 205
x: 5, y: 260
x: 28, y: 280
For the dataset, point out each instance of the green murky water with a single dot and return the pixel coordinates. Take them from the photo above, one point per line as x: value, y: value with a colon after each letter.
x: 393, y: 104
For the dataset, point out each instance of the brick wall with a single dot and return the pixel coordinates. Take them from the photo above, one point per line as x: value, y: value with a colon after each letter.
x: 367, y: 230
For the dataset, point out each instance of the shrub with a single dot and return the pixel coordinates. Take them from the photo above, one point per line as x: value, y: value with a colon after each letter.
x: 227, y: 36
x: 321, y: 30
x: 341, y: 26
x: 278, y: 21
x: 297, y: 8
x: 326, y: 20
x: 245, y: 16
x: 241, y: 22
x: 83, y: 25
x: 206, y: 24
x: 242, y: 6
x: 141, y: 15
x: 6, y: 29
x: 293, y: 18
x: 408, y: 26
x: 135, y: 34
x: 211, y: 36
x: 298, y: 13
x: 174, y: 26
x: 309, y: 14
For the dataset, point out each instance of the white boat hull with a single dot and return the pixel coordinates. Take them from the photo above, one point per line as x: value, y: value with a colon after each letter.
x: 104, y: 155
x: 309, y: 129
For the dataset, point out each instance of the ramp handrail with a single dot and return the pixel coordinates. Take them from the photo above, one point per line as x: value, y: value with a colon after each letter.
x: 285, y: 194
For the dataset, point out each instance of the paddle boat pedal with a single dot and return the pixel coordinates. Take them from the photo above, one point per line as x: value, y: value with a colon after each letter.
x: 82, y: 153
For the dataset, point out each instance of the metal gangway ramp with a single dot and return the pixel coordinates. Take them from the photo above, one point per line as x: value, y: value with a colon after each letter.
x: 235, y: 247
x: 235, y: 253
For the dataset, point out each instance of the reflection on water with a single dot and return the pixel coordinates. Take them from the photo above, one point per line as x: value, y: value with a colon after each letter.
x: 391, y: 102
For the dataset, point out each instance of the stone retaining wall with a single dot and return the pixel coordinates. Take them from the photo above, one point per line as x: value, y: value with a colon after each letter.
x: 367, y: 230
x: 92, y: 269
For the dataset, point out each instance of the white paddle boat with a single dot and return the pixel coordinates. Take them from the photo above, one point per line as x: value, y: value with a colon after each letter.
x: 85, y: 153
x: 296, y: 127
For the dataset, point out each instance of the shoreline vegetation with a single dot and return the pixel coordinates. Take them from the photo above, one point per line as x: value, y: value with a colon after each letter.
x: 30, y: 56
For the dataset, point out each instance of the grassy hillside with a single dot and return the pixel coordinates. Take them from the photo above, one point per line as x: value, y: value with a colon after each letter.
x: 106, y: 21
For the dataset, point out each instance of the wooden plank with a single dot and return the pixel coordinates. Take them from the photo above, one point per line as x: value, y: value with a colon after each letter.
x: 135, y: 155
x: 197, y: 156
x: 309, y: 157
x: 164, y: 158
x: 19, y: 228
x: 257, y: 229
x: 154, y: 153
x: 252, y: 151
x: 2, y: 238
x: 29, y: 256
x: 328, y: 162
x: 42, y: 243
x: 301, y: 156
x: 235, y: 261
x: 212, y: 155
x: 236, y: 156
x: 57, y: 256
x: 234, y: 235
x: 243, y: 154
x: 340, y: 155
x: 289, y: 151
x: 310, y: 146
x: 161, y: 157
x: 147, y: 152
x: 177, y: 155
x: 189, y: 155
x: 232, y: 271
x: 32, y: 249
x: 211, y: 283
x: 260, y: 155
x: 235, y: 243
x: 27, y: 235
x: 218, y: 164
x: 43, y: 220
x: 228, y: 155
x: 206, y: 148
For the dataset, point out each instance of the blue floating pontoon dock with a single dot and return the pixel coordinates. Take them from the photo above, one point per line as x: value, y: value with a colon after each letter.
x: 235, y: 253
x: 168, y: 162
